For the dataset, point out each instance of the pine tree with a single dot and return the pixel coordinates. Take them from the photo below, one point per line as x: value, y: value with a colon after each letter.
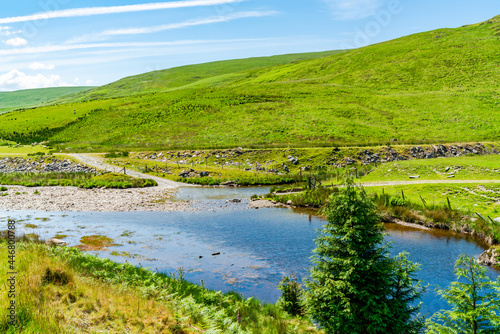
x: 475, y: 303
x: 355, y: 286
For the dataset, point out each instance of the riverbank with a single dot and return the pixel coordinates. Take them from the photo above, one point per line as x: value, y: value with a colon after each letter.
x: 97, y: 199
x: 62, y: 289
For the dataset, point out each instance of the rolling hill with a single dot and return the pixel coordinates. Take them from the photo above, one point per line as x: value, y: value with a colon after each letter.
x: 207, y: 74
x: 432, y: 87
x: 34, y: 97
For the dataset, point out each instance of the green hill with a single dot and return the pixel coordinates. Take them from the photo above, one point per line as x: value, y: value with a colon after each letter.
x: 436, y: 86
x: 34, y: 97
x: 207, y: 74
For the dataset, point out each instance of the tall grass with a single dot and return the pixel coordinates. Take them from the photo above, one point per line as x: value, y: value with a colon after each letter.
x: 97, y: 294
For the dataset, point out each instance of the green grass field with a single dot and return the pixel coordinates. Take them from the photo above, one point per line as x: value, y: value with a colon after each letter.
x: 486, y: 167
x: 34, y: 97
x: 431, y: 87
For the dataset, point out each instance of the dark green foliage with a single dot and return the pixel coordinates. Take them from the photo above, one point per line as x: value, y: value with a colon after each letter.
x: 355, y: 287
x: 36, y: 154
x: 112, y: 155
x: 475, y: 303
x: 55, y: 276
x: 80, y: 179
x: 291, y: 299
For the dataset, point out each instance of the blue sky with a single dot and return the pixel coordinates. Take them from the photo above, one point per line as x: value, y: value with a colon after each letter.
x: 49, y: 43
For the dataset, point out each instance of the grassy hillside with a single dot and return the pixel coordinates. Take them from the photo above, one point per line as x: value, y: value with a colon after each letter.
x: 206, y: 74
x: 437, y: 86
x: 34, y: 97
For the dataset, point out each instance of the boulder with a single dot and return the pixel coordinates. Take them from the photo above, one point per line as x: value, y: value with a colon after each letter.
x: 56, y: 242
x: 489, y: 257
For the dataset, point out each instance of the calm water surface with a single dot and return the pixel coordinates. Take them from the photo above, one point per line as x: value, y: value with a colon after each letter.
x: 257, y: 247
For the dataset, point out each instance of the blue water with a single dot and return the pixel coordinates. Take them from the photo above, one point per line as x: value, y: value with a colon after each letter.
x: 257, y: 247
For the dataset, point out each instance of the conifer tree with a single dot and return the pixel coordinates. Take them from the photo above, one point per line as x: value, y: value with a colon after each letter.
x: 355, y: 286
x: 475, y: 303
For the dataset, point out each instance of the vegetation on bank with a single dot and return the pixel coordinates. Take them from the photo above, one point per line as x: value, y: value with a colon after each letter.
x: 63, y: 290
x: 431, y: 87
x: 78, y: 179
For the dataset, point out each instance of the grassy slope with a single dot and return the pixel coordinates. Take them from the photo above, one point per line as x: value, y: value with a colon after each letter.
x: 200, y: 75
x: 436, y: 86
x: 34, y: 97
x: 102, y: 296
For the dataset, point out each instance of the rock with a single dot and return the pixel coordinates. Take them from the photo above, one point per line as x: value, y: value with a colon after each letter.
x: 447, y: 169
x: 218, y: 253
x: 236, y: 200
x: 293, y: 160
x: 289, y: 202
x: 204, y: 174
x: 56, y: 242
x: 414, y: 176
x: 489, y: 257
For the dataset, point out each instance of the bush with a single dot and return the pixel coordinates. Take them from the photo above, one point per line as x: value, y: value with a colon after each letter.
x: 291, y: 299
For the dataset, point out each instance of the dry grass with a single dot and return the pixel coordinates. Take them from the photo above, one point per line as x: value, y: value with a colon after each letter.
x: 53, y: 298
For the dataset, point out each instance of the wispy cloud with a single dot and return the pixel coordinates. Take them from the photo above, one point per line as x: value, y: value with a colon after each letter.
x: 148, y: 30
x: 353, y: 9
x: 6, y: 31
x: 90, y: 11
x: 68, y: 47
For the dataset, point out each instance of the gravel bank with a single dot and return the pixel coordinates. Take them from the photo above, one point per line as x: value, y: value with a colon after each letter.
x: 77, y: 199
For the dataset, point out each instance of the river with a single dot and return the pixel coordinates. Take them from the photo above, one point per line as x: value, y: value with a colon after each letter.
x: 256, y: 247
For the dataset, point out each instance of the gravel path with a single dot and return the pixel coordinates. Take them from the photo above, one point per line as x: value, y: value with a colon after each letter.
x: 99, y: 163
x: 76, y: 199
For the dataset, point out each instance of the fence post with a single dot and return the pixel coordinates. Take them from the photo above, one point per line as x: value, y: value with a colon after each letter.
x: 423, y: 201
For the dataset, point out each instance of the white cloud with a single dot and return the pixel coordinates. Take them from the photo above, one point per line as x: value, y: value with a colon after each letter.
x: 353, y: 9
x: 90, y: 11
x: 15, y: 80
x: 36, y: 66
x: 6, y: 31
x: 17, y: 41
x: 148, y: 30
